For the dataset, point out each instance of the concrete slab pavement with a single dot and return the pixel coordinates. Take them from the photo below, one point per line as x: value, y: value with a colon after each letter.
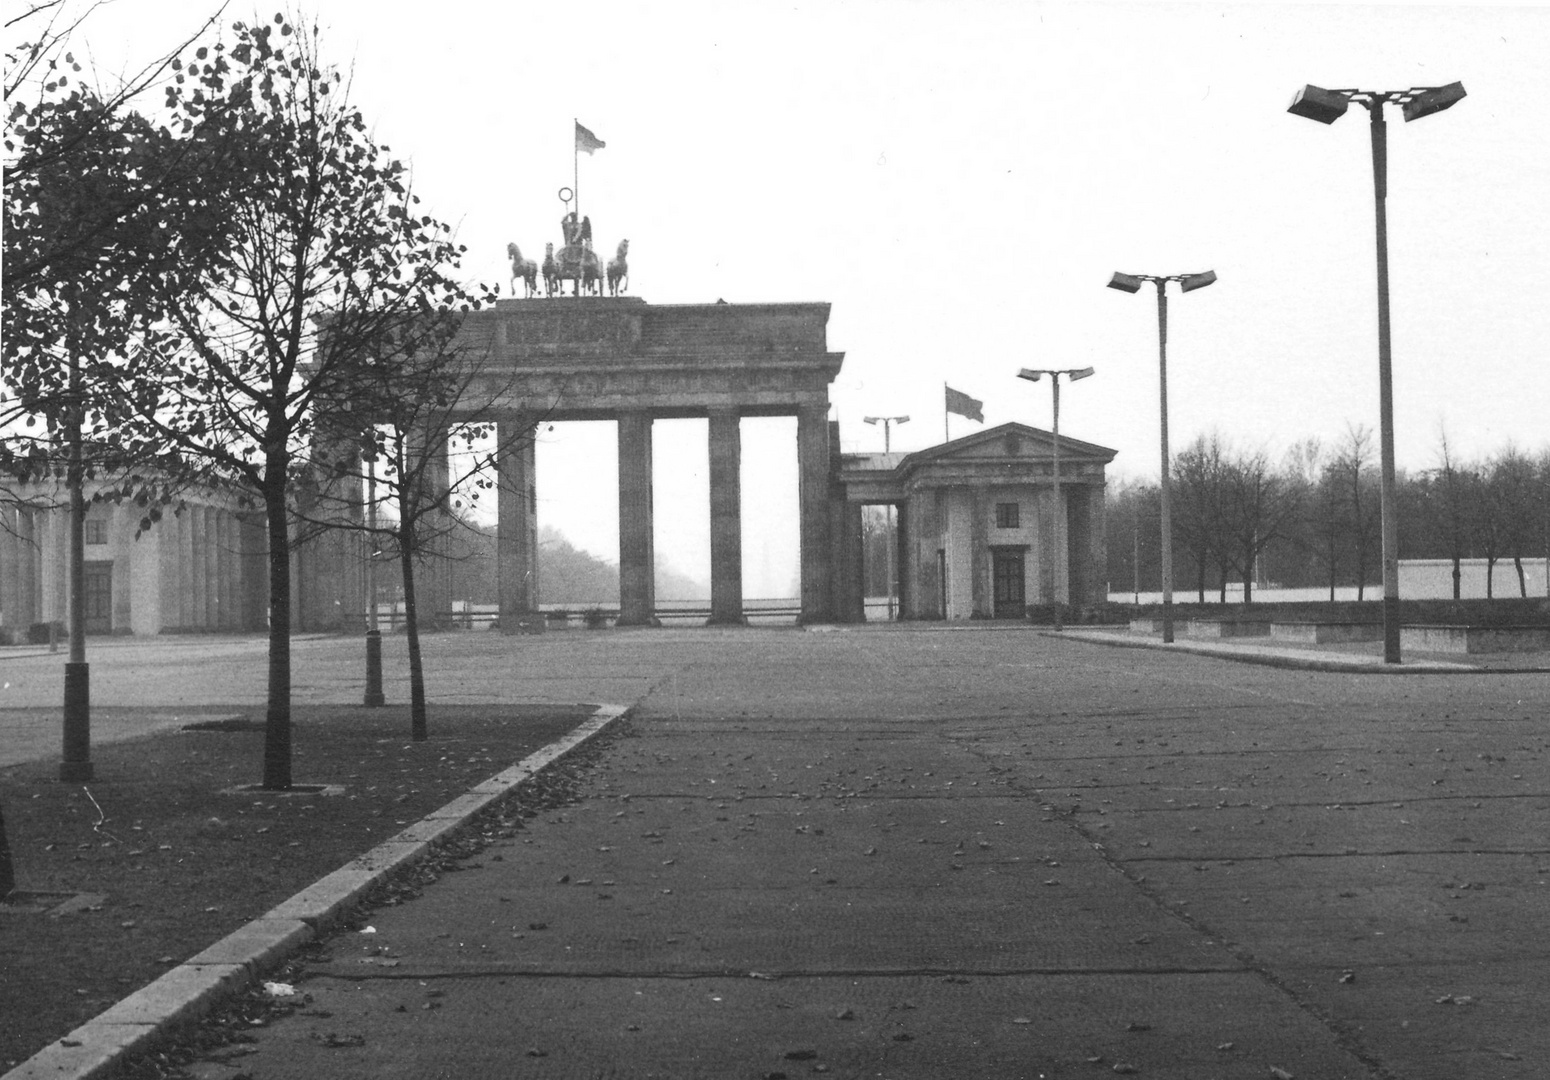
x: 931, y: 854
x: 995, y: 855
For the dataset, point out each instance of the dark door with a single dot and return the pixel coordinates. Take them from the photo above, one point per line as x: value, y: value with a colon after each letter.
x: 98, y: 597
x: 1007, y: 570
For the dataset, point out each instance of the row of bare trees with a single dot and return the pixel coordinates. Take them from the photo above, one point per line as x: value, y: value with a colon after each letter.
x: 213, y: 269
x: 1312, y: 518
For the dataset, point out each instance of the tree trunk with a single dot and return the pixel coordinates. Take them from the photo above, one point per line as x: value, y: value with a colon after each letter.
x: 412, y: 626
x: 1458, y: 575
x: 277, y: 721
x: 1517, y: 564
x: 1490, y: 573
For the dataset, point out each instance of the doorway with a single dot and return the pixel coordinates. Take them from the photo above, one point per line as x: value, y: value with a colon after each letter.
x: 97, y: 596
x: 1007, y: 573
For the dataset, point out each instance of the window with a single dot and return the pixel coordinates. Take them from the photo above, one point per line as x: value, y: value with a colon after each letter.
x: 96, y: 531
x: 1007, y: 516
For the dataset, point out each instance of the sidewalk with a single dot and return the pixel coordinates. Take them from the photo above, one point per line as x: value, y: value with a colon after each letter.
x: 1359, y: 657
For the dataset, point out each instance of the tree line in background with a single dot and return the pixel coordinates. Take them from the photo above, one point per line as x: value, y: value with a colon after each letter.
x: 1312, y: 518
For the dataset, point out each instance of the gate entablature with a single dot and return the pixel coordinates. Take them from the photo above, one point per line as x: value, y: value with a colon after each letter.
x: 591, y: 358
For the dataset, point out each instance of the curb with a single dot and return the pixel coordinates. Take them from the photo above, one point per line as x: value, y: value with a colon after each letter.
x: 1289, y: 660
x: 234, y: 963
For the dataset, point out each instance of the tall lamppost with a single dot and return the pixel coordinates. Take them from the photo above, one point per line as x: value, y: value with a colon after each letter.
x: 374, y: 696
x: 888, y: 422
x: 1131, y: 283
x: 1062, y: 559
x: 1327, y: 106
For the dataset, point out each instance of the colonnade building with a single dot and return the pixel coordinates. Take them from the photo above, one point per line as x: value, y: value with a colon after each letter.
x: 978, y: 515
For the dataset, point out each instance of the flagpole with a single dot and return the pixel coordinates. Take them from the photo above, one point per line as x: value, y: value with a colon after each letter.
x: 946, y: 430
x: 575, y: 159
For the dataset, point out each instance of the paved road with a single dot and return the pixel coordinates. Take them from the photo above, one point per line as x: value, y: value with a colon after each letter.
x: 960, y: 854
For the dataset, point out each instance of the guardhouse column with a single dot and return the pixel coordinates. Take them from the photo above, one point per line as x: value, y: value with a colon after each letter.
x: 516, y: 540
x: 813, y: 501
x: 637, y: 559
x: 979, y: 553
x: 726, y: 519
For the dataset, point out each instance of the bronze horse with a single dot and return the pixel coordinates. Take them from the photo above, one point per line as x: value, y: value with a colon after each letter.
x: 619, y: 270
x: 526, y: 269
x: 551, y: 271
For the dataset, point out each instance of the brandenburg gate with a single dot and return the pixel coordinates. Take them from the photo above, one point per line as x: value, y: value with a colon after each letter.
x: 622, y: 359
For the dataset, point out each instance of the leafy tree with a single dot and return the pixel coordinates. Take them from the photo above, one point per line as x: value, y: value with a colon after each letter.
x: 298, y: 254
x: 81, y: 168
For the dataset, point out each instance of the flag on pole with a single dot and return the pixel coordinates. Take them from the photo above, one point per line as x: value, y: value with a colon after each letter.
x: 964, y: 405
x: 586, y: 141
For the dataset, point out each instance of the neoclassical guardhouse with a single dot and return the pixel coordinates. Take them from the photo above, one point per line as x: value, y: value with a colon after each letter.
x: 977, y: 525
x: 976, y: 535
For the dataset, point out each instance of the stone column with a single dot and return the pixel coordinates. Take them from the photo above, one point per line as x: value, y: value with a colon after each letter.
x: 813, y: 502
x: 11, y: 575
x: 516, y: 529
x: 726, y: 519
x: 199, y: 570
x: 185, y: 572
x: 433, y: 575
x: 231, y: 573
x: 637, y: 556
x: 849, y: 601
x: 982, y: 598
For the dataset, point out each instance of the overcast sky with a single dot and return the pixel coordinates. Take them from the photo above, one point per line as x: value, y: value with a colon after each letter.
x: 960, y: 180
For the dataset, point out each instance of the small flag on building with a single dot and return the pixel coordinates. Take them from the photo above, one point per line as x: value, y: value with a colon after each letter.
x: 586, y: 141
x: 964, y: 405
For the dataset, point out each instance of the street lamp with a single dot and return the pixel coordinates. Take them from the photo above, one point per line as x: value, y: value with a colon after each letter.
x: 1187, y: 283
x: 1327, y: 106
x: 1062, y: 560
x: 888, y: 422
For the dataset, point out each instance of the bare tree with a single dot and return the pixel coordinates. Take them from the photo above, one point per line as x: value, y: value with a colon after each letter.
x: 421, y: 447
x: 1199, y: 472
x: 1264, y: 504
x: 1353, y: 466
x: 1513, y: 493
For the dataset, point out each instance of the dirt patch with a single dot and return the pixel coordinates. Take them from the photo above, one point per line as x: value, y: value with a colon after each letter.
x: 179, y: 865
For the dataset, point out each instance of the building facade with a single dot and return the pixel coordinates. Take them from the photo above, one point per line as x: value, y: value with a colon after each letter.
x: 982, y: 532
x: 199, y: 570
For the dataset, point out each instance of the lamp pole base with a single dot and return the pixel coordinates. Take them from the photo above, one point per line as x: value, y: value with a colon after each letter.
x: 76, y: 766
x: 374, y: 696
